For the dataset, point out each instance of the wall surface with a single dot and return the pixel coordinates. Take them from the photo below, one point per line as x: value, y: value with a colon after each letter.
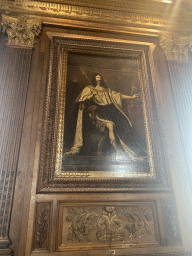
x: 58, y: 205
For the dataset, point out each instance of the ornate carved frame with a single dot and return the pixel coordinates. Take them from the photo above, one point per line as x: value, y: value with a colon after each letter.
x: 50, y: 179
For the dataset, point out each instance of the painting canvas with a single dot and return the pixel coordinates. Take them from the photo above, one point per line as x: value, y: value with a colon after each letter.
x: 104, y: 128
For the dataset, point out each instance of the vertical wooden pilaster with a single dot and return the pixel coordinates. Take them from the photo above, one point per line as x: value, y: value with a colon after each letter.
x: 13, y: 92
x: 181, y: 81
x: 176, y: 48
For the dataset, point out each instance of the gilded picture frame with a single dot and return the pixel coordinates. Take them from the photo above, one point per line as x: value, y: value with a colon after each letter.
x: 60, y: 171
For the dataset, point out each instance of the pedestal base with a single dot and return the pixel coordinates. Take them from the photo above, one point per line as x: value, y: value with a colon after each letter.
x: 5, y: 252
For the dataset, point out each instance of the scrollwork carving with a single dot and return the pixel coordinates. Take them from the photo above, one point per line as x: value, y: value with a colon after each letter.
x: 21, y: 31
x: 138, y: 222
x: 81, y: 224
x: 110, y: 224
x: 176, y: 46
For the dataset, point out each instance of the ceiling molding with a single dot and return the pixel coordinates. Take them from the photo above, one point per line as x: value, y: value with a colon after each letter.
x: 157, y: 16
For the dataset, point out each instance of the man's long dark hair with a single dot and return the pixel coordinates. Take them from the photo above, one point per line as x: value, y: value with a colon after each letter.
x: 94, y: 82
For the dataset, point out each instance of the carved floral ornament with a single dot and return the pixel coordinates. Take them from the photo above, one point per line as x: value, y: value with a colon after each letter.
x: 21, y: 31
x: 176, y: 46
x: 111, y: 224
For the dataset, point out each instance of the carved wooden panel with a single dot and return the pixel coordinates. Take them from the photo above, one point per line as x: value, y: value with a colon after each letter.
x: 91, y: 226
x: 42, y: 226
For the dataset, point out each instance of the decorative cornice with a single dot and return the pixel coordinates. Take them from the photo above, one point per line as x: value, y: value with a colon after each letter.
x: 130, y: 14
x: 20, y: 30
x: 151, y: 16
x: 140, y: 18
x: 176, y: 46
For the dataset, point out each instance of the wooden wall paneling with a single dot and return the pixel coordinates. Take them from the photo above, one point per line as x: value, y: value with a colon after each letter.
x: 42, y: 227
x: 54, y: 225
x: 181, y: 81
x: 22, y: 194
x: 35, y: 140
x: 171, y: 140
x: 120, y: 252
x: 170, y: 222
x: 14, y: 85
x: 76, y: 198
x: 169, y: 228
x: 160, y: 222
x: 32, y: 127
x: 42, y: 224
x: 181, y: 78
x: 2, y: 51
x: 79, y: 208
x: 29, y: 156
x: 106, y: 225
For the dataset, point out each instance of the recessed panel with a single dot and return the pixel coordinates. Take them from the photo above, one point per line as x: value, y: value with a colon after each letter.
x: 91, y: 226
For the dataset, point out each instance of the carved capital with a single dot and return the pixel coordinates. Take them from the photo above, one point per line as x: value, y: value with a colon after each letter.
x: 20, y: 30
x: 176, y: 46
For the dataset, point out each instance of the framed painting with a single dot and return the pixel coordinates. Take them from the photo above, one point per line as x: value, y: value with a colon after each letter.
x: 100, y: 131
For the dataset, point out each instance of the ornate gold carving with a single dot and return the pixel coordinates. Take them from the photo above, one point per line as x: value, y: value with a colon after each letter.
x: 81, y: 224
x: 20, y: 30
x: 61, y: 96
x: 108, y: 224
x: 111, y: 12
x: 176, y: 46
x: 139, y: 16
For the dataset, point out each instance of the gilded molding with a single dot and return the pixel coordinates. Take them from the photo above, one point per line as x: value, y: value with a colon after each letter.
x: 21, y: 31
x: 149, y: 18
x: 91, y: 13
x: 176, y: 46
x: 126, y: 14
